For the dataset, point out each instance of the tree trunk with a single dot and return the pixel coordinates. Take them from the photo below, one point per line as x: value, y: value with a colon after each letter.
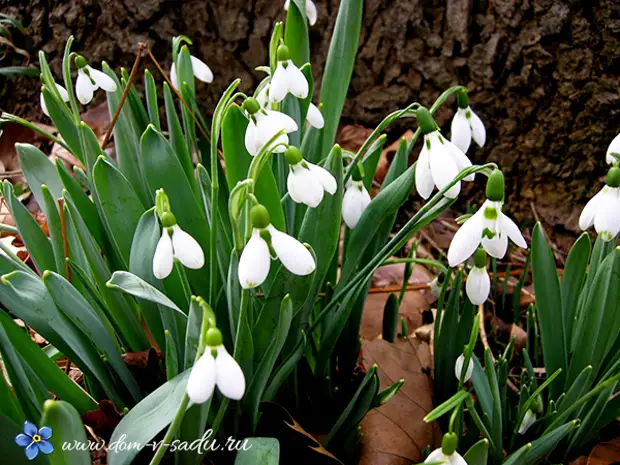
x: 540, y: 72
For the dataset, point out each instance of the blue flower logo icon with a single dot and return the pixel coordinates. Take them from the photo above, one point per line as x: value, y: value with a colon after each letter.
x: 35, y: 440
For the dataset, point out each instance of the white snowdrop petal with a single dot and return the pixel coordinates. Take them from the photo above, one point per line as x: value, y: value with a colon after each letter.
x: 186, y: 249
x: 462, y: 161
x: 528, y: 420
x: 512, y: 230
x: 423, y: 178
x: 280, y: 121
x: 201, y: 70
x: 229, y: 376
x: 607, y: 217
x: 456, y: 459
x: 460, y: 130
x: 478, y: 286
x: 478, y: 132
x: 254, y: 262
x: 305, y: 187
x: 325, y: 178
x: 354, y: 203
x: 311, y: 12
x: 252, y: 144
x: 281, y: 142
x: 497, y: 246
x: 83, y: 88
x: 64, y: 95
x: 173, y: 76
x: 458, y: 368
x: 163, y: 259
x: 279, y: 84
x: 287, y: 4
x: 586, y: 219
x: 297, y: 82
x: 263, y: 96
x: 443, y: 168
x: 614, y: 147
x: 102, y: 80
x: 293, y: 254
x: 437, y: 456
x: 315, y: 117
x: 466, y: 240
x: 201, y: 382
x: 43, y: 106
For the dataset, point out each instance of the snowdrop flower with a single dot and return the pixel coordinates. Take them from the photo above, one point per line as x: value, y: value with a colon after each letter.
x: 64, y: 95
x: 315, y: 117
x: 222, y: 371
x: 466, y: 125
x: 614, y: 147
x: 435, y: 287
x: 447, y: 454
x: 89, y: 80
x: 306, y: 181
x: 603, y: 210
x: 528, y: 420
x: 267, y: 241
x: 310, y: 10
x: 174, y: 243
x: 478, y: 284
x: 488, y: 226
x: 458, y: 368
x: 201, y: 71
x: 287, y: 78
x: 263, y: 125
x: 440, y: 160
x: 356, y: 199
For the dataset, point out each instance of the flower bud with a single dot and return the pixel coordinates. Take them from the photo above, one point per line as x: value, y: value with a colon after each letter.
x: 162, y: 203
x: 251, y: 105
x: 214, y: 337
x: 168, y: 219
x: 80, y: 61
x: 480, y: 258
x: 293, y: 155
x: 449, y: 443
x: 462, y: 99
x: 284, y: 54
x: 495, y: 186
x: 425, y: 120
x: 259, y: 216
x: 613, y: 177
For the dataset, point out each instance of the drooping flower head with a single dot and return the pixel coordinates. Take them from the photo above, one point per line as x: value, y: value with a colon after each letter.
x: 64, y: 95
x: 265, y: 124
x: 356, y: 199
x: 201, y: 71
x: 89, y: 80
x: 315, y: 117
x: 216, y: 367
x: 287, y: 78
x: 267, y: 242
x: 174, y: 242
x: 603, y: 210
x: 614, y: 148
x: 310, y: 10
x: 458, y: 368
x: 306, y: 182
x: 447, y: 454
x: 466, y: 125
x: 488, y: 226
x: 478, y: 286
x: 440, y: 160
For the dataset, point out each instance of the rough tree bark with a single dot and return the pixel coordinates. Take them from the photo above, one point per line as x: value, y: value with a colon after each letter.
x: 542, y: 73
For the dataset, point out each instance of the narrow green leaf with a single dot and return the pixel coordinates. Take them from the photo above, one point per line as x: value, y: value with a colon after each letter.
x: 573, y: 279
x: 259, y: 451
x: 150, y: 93
x: 549, y: 306
x: 478, y: 454
x: 67, y: 428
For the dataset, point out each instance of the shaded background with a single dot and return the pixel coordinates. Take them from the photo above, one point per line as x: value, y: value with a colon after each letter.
x: 543, y: 74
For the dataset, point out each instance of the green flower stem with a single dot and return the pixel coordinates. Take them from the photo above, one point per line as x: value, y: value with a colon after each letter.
x: 408, y: 111
x: 66, y: 74
x: 9, y: 229
x: 172, y: 431
x: 420, y: 261
x: 37, y: 129
x: 16, y: 259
